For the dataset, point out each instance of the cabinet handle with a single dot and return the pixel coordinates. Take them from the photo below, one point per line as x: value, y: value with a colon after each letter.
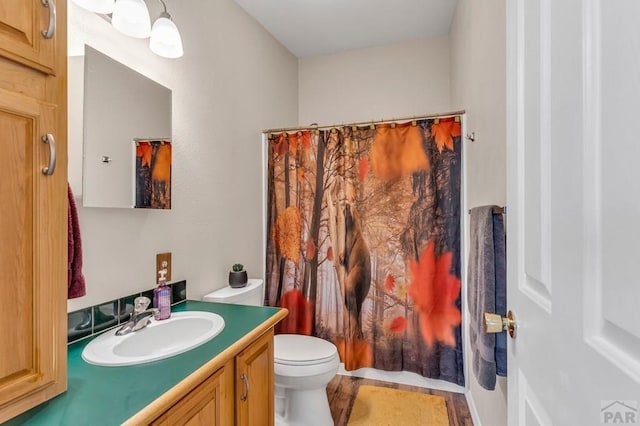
x: 49, y: 32
x: 246, y: 387
x: 49, y: 139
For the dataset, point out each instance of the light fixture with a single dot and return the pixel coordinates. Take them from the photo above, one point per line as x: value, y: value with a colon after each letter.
x: 165, y: 37
x: 131, y: 17
x: 98, y: 6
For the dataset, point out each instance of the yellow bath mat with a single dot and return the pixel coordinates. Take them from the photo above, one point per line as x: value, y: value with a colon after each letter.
x: 378, y: 406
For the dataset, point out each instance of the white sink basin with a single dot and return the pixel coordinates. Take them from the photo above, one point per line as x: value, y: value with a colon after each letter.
x: 183, y: 331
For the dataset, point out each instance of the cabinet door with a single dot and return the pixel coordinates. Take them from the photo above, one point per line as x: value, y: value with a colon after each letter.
x: 255, y: 383
x: 33, y: 252
x: 22, y: 23
x: 211, y: 403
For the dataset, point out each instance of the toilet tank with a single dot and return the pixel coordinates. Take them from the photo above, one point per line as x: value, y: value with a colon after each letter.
x: 251, y: 294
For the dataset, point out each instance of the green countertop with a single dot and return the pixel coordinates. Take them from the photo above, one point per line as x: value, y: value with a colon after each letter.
x: 110, y: 395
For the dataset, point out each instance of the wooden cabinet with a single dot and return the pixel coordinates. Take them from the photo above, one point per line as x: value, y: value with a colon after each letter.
x: 243, y: 389
x: 22, y: 23
x: 33, y: 222
x: 255, y: 383
x: 211, y: 403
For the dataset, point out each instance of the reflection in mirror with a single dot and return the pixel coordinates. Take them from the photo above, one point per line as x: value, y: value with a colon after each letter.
x: 122, y: 108
x: 153, y: 174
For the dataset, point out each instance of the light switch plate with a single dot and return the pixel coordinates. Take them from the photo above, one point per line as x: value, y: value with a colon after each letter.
x: 160, y: 259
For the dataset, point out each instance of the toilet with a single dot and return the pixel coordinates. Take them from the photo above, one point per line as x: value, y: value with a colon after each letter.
x: 304, y: 365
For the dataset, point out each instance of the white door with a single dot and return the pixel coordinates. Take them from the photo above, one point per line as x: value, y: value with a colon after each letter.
x: 573, y: 144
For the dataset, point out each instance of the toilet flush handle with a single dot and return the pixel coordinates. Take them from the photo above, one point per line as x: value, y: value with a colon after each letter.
x: 246, y: 387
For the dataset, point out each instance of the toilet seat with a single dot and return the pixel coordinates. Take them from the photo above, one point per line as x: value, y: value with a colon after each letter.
x: 295, y: 349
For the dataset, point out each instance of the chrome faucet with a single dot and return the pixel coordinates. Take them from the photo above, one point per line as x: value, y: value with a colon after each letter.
x: 140, y: 317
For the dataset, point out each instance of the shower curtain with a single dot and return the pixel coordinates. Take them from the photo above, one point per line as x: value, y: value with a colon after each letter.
x: 364, y: 242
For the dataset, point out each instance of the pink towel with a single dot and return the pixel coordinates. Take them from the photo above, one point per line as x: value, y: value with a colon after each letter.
x: 75, y: 285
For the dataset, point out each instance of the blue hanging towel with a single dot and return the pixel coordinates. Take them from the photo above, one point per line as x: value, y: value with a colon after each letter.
x: 487, y: 292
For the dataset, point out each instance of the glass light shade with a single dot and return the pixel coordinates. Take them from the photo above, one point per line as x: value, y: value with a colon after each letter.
x: 131, y: 17
x: 98, y: 6
x: 165, y: 39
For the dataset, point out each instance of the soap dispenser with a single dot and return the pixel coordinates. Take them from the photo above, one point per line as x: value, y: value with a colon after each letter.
x: 162, y: 297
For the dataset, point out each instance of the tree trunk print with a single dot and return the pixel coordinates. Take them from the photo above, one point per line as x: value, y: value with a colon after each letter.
x: 314, y: 230
x: 287, y: 203
x: 271, y: 215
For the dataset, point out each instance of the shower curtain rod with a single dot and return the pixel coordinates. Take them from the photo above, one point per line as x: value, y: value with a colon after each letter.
x: 364, y: 123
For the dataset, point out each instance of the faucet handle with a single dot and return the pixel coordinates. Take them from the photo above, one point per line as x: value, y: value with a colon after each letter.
x: 140, y: 304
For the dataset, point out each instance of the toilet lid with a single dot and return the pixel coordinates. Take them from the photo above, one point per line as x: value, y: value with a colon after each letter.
x: 295, y: 349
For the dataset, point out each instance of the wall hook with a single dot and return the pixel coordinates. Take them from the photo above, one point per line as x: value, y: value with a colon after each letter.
x: 471, y: 137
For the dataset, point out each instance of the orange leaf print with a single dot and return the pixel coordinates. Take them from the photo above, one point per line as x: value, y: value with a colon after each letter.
x: 286, y: 233
x: 389, y: 283
x: 281, y: 146
x: 355, y: 353
x: 293, y: 144
x: 434, y: 291
x: 397, y: 152
x: 300, y: 172
x: 306, y: 139
x: 311, y: 249
x: 144, y: 150
x: 300, y: 318
x: 330, y: 254
x: 398, y: 325
x: 444, y: 131
x: 363, y: 168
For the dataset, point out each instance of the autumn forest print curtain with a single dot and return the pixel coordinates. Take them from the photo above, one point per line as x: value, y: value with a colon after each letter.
x: 364, y: 242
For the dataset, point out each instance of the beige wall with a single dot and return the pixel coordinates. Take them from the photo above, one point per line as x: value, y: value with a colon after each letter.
x: 382, y: 82
x: 478, y: 86
x: 233, y: 81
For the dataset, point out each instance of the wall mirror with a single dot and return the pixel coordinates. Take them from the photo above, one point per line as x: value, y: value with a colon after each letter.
x: 126, y: 137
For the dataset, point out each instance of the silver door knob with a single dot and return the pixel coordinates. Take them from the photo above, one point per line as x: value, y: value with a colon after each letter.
x: 494, y: 323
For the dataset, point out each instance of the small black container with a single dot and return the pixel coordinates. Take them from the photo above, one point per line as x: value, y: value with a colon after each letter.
x: 238, y: 279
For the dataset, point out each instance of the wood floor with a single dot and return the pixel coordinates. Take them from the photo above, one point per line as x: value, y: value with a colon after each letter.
x: 342, y: 391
